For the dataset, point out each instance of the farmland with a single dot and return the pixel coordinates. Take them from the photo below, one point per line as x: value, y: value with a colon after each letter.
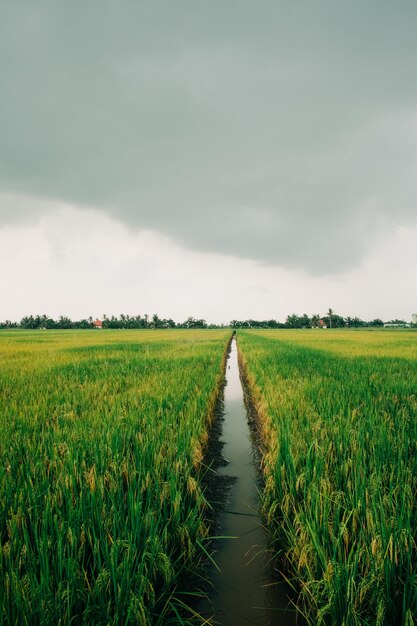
x: 337, y: 413
x: 102, y: 438
x: 103, y: 517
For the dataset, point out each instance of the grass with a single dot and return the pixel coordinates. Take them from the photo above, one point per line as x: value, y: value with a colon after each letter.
x: 337, y: 411
x: 101, y: 506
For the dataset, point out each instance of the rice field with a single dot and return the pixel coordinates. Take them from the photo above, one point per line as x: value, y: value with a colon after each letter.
x: 102, y: 440
x: 103, y: 518
x: 337, y: 414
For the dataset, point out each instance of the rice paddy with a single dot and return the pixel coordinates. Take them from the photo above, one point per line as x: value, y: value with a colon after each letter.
x: 337, y: 413
x: 101, y: 507
x: 103, y: 517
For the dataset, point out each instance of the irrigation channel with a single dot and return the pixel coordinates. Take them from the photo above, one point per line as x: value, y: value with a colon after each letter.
x: 244, y: 589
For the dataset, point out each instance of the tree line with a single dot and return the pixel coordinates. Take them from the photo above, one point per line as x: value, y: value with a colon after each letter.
x: 123, y: 321
x: 329, y: 320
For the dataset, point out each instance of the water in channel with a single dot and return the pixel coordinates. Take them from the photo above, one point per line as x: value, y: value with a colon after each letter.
x: 244, y: 590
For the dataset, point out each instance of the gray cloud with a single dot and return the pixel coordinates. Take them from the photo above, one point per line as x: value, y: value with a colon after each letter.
x: 279, y: 131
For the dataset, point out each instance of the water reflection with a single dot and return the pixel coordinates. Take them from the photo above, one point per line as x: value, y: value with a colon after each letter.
x: 244, y: 591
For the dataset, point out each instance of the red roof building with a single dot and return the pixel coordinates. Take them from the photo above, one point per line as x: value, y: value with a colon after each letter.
x: 98, y: 324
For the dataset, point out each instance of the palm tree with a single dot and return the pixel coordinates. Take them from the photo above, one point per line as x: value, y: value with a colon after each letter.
x: 330, y: 314
x: 315, y: 320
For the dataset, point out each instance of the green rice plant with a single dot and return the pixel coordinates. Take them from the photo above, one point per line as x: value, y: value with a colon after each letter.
x: 337, y: 417
x: 102, y: 434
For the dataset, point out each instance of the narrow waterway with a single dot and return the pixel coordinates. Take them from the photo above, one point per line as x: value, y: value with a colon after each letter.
x: 245, y: 591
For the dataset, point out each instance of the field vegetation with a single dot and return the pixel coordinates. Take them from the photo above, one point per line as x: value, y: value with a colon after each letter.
x: 337, y: 412
x: 102, y: 439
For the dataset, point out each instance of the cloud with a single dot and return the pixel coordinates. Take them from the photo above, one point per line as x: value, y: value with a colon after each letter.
x: 80, y: 263
x: 274, y: 131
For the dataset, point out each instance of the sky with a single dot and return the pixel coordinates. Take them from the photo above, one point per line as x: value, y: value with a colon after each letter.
x: 221, y: 159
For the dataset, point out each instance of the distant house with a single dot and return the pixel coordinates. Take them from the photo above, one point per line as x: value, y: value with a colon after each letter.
x: 321, y: 324
x: 98, y: 324
x: 397, y: 325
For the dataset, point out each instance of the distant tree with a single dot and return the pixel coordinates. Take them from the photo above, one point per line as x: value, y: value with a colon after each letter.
x: 38, y: 321
x: 8, y: 324
x: 27, y: 322
x: 330, y: 314
x: 305, y: 321
x: 298, y: 321
x: 50, y: 323
x: 376, y: 322
x: 242, y: 323
x: 333, y: 320
x: 83, y: 324
x: 291, y: 321
x: 112, y: 322
x: 191, y: 322
x: 272, y: 324
x: 315, y: 320
x: 64, y: 322
x: 139, y: 322
x: 156, y: 321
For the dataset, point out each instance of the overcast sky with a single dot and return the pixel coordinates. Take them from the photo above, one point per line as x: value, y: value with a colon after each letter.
x: 222, y: 159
